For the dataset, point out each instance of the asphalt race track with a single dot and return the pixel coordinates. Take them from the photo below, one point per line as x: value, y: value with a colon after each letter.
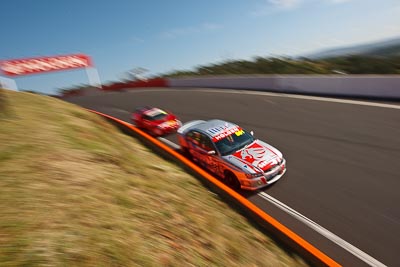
x: 343, y: 162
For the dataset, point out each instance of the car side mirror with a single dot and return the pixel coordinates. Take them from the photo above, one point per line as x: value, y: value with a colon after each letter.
x: 252, y: 133
x: 211, y: 152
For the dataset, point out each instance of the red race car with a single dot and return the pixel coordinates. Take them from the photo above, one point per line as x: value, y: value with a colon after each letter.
x: 156, y: 121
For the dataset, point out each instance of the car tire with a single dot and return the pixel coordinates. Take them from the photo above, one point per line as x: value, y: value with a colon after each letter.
x: 186, y: 153
x: 232, y: 181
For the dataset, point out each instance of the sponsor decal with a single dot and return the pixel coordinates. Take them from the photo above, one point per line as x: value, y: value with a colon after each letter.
x: 216, y: 130
x: 262, y: 164
x: 227, y: 132
x: 251, y: 154
x: 26, y: 66
x: 255, y: 155
x: 168, y: 124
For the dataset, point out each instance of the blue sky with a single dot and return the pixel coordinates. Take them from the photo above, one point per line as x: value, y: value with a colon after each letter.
x: 166, y: 35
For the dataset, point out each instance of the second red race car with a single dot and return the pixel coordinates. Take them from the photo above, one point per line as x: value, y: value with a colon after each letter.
x: 156, y: 121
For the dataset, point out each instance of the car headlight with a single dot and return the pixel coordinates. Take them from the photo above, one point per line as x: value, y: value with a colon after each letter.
x: 163, y: 125
x: 253, y: 175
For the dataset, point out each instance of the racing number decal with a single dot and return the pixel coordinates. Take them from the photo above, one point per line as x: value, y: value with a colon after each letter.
x: 239, y: 133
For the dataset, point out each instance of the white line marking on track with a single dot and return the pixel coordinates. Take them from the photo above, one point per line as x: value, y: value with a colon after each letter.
x: 306, y: 97
x: 324, y: 232
x: 273, y: 94
x: 169, y: 143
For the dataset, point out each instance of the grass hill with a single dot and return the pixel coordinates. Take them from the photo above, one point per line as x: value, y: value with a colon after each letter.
x: 74, y: 191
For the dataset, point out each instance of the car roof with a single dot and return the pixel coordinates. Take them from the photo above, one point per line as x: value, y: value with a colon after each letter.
x: 214, y: 127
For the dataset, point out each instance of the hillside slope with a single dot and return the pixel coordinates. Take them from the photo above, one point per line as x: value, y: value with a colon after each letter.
x: 76, y: 191
x: 384, y: 48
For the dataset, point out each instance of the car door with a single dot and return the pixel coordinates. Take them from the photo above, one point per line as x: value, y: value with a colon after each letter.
x: 201, y: 147
x: 193, y: 141
x: 146, y: 122
x: 210, y: 158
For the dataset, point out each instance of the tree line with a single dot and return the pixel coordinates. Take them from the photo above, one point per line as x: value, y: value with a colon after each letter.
x: 352, y: 64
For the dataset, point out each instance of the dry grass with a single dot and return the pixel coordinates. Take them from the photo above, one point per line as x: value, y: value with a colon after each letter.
x: 74, y: 191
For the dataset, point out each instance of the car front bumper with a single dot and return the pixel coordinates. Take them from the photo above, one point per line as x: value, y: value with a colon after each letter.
x: 268, y: 178
x: 169, y: 130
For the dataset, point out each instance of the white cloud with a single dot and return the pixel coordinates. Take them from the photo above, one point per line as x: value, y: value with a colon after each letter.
x: 177, y: 32
x: 136, y: 40
x: 272, y: 6
x: 285, y: 4
x: 328, y: 42
x: 339, y: 1
x: 173, y: 33
x: 211, y: 26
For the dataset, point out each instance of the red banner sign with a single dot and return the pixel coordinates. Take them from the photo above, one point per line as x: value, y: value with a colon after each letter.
x: 26, y: 66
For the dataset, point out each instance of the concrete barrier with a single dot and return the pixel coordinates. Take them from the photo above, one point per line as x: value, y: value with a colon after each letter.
x: 365, y: 86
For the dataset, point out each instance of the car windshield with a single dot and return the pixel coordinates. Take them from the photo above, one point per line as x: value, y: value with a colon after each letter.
x: 234, y: 142
x: 157, y: 117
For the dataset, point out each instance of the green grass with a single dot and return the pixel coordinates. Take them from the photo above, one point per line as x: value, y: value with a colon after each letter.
x: 74, y: 191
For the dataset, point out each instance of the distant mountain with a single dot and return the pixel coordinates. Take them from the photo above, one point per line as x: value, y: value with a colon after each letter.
x: 386, y: 48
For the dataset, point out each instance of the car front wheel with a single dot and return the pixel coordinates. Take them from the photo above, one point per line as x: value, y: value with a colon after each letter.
x: 232, y: 181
